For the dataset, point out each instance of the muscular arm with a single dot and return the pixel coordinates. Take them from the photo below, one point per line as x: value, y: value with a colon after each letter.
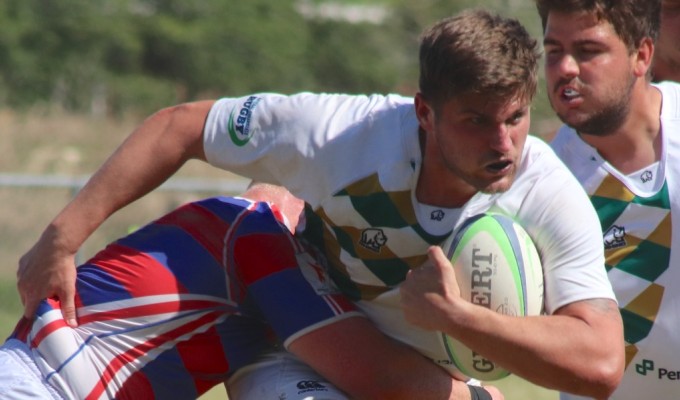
x: 151, y: 154
x: 363, y: 362
x: 579, y: 349
x: 351, y: 352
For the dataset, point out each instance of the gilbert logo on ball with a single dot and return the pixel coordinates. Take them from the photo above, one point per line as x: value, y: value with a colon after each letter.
x: 498, y: 267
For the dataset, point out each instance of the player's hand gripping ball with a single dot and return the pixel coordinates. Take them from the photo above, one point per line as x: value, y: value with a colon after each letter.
x: 498, y: 267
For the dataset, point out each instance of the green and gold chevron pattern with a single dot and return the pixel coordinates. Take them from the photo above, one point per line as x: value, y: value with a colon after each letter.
x: 640, y: 256
x: 371, y: 237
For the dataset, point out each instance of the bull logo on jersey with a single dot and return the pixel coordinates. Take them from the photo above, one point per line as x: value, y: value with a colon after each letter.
x: 615, y: 237
x: 646, y: 176
x: 239, y: 127
x: 437, y: 215
x: 373, y: 239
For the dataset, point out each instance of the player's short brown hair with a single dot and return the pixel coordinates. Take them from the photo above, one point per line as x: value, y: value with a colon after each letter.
x: 477, y: 52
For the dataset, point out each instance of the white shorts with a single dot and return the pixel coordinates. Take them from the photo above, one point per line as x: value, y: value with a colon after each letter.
x: 20, y: 378
x: 281, y: 376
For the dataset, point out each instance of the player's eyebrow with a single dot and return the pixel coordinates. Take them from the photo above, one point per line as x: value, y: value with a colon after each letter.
x: 579, y: 42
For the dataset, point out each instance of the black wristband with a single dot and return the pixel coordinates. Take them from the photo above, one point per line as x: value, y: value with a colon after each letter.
x: 479, y: 393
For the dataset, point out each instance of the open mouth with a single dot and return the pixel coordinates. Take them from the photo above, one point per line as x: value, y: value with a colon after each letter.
x: 498, y: 167
x: 570, y: 93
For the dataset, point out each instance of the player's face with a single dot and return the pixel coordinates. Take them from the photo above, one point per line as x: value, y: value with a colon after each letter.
x: 589, y: 72
x: 667, y: 52
x: 478, y: 142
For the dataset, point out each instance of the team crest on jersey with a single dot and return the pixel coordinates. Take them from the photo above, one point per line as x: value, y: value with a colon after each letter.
x: 615, y: 237
x: 373, y: 239
x: 239, y: 126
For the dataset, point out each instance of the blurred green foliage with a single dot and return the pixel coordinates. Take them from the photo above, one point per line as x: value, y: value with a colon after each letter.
x: 111, y: 57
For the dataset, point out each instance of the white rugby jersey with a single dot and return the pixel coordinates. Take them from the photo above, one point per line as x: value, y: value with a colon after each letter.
x: 355, y: 160
x: 639, y: 238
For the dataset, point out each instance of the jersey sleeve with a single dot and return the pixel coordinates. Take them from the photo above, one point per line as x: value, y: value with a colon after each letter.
x: 285, y: 279
x: 275, y: 139
x: 313, y: 144
x: 559, y: 216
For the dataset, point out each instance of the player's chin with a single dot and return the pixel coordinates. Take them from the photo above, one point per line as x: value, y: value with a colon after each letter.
x: 498, y: 185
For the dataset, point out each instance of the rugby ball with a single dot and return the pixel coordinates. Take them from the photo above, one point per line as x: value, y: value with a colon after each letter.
x: 498, y: 267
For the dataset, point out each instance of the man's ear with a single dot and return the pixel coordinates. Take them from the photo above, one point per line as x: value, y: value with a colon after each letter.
x: 424, y: 112
x: 643, y: 57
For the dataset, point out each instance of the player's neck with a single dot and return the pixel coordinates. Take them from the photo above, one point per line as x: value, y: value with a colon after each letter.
x: 442, y: 190
x: 437, y: 185
x: 637, y: 143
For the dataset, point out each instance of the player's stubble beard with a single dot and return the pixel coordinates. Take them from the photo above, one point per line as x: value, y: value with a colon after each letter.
x: 605, y: 121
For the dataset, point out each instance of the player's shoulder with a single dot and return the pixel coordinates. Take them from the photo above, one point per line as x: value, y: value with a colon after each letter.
x: 223, y: 202
x: 564, y: 139
x: 327, y: 113
x: 671, y: 99
x: 313, y: 101
x: 540, y: 158
x: 353, y: 108
x: 573, y: 151
x: 544, y: 179
x: 226, y: 208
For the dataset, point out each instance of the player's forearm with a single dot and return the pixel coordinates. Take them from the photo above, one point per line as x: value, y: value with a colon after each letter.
x: 405, y: 374
x: 149, y: 156
x: 579, y: 350
x: 364, y: 363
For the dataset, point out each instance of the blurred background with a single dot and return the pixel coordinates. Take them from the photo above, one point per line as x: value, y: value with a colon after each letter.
x: 76, y: 77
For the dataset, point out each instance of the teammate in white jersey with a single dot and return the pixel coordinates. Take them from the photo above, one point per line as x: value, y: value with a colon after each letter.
x: 386, y: 179
x: 621, y: 142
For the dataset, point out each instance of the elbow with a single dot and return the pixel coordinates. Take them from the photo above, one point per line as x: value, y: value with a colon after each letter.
x: 606, y: 355
x: 605, y: 376
x: 610, y: 375
x: 611, y: 367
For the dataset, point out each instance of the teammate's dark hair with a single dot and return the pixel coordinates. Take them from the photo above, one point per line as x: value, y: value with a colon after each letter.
x: 633, y: 20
